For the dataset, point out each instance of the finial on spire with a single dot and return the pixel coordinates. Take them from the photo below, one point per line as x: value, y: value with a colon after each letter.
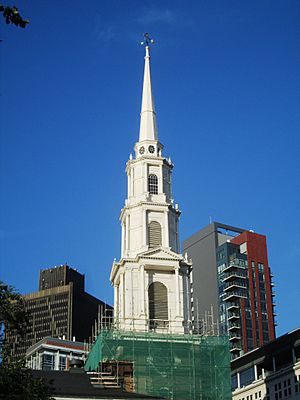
x: 148, y: 129
x: 147, y: 40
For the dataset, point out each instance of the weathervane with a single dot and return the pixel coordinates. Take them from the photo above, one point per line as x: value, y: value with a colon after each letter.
x: 147, y: 40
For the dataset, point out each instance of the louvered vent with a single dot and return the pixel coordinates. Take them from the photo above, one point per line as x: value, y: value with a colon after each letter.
x: 154, y: 234
x: 158, y: 305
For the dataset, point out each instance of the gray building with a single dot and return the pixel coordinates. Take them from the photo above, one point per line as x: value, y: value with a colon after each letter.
x: 201, y: 247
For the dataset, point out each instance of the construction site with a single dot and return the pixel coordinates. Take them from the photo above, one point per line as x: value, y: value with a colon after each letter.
x: 186, y: 367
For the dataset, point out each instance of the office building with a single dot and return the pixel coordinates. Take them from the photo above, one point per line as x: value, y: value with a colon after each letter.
x: 231, y: 275
x: 61, y: 308
x: 271, y: 372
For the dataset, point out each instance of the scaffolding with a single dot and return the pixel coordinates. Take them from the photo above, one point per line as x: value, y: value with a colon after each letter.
x: 186, y: 367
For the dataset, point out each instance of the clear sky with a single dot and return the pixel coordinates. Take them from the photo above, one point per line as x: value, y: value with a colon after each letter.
x: 226, y: 78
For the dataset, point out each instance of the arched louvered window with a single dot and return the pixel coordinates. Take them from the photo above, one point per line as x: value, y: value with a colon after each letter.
x: 158, y: 305
x: 154, y: 234
x: 153, y: 184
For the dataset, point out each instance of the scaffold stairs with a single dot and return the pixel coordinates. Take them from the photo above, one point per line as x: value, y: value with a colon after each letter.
x: 104, y: 380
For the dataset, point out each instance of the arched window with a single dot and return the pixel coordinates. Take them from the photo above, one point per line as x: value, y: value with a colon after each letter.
x: 153, y: 184
x: 154, y: 234
x: 158, y: 305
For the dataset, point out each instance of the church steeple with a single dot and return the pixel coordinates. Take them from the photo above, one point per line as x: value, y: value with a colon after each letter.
x: 150, y: 262
x: 148, y: 129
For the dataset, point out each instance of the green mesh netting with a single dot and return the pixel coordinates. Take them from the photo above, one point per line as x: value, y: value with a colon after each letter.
x: 173, y: 366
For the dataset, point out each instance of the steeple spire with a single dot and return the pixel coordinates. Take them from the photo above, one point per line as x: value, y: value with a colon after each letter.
x: 148, y: 130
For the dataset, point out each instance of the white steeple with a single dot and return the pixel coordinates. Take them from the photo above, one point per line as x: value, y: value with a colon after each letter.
x: 152, y: 279
x: 148, y: 130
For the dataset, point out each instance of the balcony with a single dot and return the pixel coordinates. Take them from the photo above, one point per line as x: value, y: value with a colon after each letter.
x: 234, y: 285
x: 234, y: 327
x: 234, y: 264
x: 233, y: 316
x: 233, y: 275
x: 235, y: 348
x: 234, y: 337
x: 235, y: 294
x: 233, y: 306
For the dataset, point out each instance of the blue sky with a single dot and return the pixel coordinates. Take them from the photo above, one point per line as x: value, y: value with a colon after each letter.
x: 227, y: 92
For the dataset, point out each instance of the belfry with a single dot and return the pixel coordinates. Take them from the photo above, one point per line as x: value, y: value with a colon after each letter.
x: 152, y: 279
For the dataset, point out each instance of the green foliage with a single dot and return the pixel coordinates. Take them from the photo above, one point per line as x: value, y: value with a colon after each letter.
x: 12, y: 16
x: 16, y: 382
x: 13, y: 316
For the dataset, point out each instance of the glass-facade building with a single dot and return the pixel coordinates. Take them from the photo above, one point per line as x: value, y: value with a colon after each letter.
x: 245, y: 292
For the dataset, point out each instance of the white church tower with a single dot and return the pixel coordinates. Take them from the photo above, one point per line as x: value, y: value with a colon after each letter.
x: 152, y: 280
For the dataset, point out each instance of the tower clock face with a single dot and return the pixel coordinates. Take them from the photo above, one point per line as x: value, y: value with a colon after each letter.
x: 151, y: 149
x: 142, y: 150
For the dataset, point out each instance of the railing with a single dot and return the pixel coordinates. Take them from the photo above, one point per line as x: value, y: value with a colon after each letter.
x: 233, y: 316
x: 229, y: 285
x: 232, y: 305
x: 234, y: 264
x: 235, y: 293
x: 234, y: 274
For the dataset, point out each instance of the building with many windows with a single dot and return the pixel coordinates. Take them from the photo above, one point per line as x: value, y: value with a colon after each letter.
x: 231, y: 274
x: 61, y: 308
x: 271, y: 372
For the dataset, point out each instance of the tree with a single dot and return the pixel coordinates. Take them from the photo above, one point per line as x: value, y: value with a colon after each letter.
x: 12, y: 16
x: 13, y: 315
x: 16, y: 381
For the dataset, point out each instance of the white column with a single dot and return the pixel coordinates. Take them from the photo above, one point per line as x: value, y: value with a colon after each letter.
x: 142, y: 289
x: 123, y: 240
x: 144, y: 227
x: 238, y: 380
x: 56, y: 361
x: 116, y: 303
x: 132, y: 181
x: 127, y: 232
x: 128, y: 185
x: 160, y: 181
x: 166, y: 239
x: 177, y: 291
x: 145, y: 177
x: 128, y: 294
x: 121, y: 297
x: 255, y: 372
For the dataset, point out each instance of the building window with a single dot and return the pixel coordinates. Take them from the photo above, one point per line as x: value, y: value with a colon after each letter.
x: 158, y: 305
x: 62, y: 363
x: 48, y: 362
x: 153, y: 184
x: 154, y: 234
